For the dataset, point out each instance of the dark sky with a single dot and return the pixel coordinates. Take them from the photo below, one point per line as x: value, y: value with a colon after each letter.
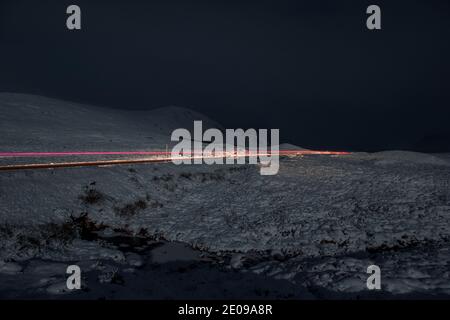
x: 310, y: 68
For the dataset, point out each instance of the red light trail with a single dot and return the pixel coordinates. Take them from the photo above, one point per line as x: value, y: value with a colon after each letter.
x: 79, y: 153
x: 165, y: 157
x: 164, y: 153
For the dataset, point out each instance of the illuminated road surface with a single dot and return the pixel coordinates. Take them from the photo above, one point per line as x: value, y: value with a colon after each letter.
x: 157, y: 156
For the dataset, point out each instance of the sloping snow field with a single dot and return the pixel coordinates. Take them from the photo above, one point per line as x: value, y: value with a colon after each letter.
x: 317, y: 224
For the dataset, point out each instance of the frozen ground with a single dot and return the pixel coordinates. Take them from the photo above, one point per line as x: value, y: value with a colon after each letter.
x: 165, y: 231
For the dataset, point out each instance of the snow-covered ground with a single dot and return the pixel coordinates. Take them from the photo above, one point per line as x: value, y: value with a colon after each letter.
x: 310, y: 231
x: 34, y: 123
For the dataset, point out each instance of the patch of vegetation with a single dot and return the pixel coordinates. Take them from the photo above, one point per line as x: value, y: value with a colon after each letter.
x: 59, y: 232
x: 153, y: 203
x: 83, y: 227
x: 238, y: 168
x: 5, y: 231
x: 131, y: 209
x: 164, y: 177
x: 186, y: 175
x: 204, y: 176
x: 30, y: 240
x: 91, y: 196
x: 406, y: 242
x: 33, y: 239
x: 112, y: 276
x: 214, y: 176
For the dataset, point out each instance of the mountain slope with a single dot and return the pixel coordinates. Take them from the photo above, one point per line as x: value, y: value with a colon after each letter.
x: 34, y: 123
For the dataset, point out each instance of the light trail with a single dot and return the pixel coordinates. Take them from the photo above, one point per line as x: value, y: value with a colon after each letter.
x: 146, y: 153
x: 167, y: 157
x: 82, y: 153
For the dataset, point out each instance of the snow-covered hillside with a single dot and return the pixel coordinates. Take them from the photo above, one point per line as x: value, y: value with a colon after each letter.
x: 318, y: 224
x: 34, y: 123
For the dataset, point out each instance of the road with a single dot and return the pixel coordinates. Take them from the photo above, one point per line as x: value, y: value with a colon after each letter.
x: 157, y: 157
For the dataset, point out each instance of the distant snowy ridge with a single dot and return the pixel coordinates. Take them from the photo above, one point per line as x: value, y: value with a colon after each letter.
x: 393, y: 157
x: 288, y: 146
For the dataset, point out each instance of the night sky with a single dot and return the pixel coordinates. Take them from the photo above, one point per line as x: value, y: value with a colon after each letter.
x: 310, y: 68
